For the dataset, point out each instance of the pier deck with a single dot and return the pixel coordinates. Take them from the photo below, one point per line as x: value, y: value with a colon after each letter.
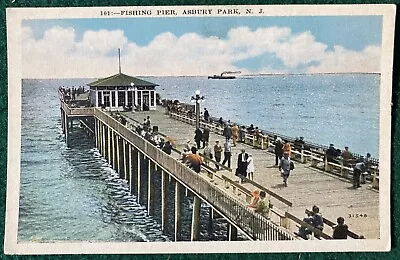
x: 307, y: 186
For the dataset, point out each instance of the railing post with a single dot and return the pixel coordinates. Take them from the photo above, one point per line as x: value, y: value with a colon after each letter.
x: 326, y: 166
x: 109, y: 144
x: 178, y: 211
x: 343, y: 172
x: 130, y: 166
x: 195, y: 233
x: 139, y: 173
x: 302, y: 158
x: 232, y: 232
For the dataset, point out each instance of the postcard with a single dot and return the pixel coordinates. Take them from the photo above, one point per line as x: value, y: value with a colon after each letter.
x: 199, y: 129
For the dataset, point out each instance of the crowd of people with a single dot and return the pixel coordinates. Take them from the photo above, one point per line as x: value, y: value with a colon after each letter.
x: 233, y: 134
x: 71, y: 93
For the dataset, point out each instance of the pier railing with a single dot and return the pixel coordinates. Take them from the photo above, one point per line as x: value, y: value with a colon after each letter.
x: 315, y: 155
x: 77, y: 111
x: 255, y: 225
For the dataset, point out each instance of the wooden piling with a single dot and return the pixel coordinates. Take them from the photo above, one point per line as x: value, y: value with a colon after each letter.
x: 178, y: 211
x: 164, y: 215
x: 195, y: 232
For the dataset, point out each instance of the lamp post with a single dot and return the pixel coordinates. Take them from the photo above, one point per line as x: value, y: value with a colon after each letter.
x: 197, y: 98
x: 133, y: 87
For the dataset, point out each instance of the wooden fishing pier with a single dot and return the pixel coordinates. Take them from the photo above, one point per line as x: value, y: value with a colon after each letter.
x: 313, y: 182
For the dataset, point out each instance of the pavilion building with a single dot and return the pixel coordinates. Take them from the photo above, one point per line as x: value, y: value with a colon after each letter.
x: 121, y: 91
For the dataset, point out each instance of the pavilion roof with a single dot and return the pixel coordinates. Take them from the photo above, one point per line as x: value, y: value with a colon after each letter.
x: 121, y: 80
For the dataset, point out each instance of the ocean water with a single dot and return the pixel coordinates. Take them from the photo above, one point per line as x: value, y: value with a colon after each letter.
x: 340, y: 109
x: 73, y: 194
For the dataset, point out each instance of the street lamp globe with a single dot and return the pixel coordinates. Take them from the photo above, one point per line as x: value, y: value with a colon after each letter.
x: 197, y: 92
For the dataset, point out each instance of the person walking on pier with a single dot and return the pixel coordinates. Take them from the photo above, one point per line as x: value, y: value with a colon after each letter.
x: 207, y: 153
x: 217, y: 153
x: 235, y: 134
x: 198, y: 136
x: 287, y: 148
x: 250, y: 167
x: 227, y: 153
x: 206, y: 136
x: 278, y: 150
x: 242, y: 164
x: 227, y: 132
x: 242, y: 134
x: 284, y: 167
x: 206, y: 115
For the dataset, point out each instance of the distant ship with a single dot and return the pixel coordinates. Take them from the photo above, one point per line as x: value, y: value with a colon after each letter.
x: 222, y: 76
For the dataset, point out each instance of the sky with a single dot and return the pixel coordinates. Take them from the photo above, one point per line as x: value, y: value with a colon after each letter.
x: 200, y: 46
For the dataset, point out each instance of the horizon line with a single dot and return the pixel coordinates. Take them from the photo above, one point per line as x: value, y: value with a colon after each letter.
x: 239, y: 76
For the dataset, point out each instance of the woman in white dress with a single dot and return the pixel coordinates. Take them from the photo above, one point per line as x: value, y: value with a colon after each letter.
x: 250, y: 167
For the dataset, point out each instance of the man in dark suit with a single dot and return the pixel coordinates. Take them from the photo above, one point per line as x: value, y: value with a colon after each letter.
x: 242, y: 163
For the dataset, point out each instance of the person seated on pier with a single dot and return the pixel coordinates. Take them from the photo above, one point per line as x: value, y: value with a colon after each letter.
x: 235, y: 134
x: 195, y: 161
x: 278, y: 150
x: 206, y: 136
x: 227, y: 132
x: 315, y: 219
x: 241, y: 170
x: 167, y: 148
x: 347, y: 157
x: 257, y: 134
x: 123, y: 120
x: 206, y: 115
x: 198, y: 136
x: 287, y: 148
x: 340, y: 230
x: 259, y: 203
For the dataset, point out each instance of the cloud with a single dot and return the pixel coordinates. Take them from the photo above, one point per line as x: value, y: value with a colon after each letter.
x: 341, y: 60
x: 58, y: 54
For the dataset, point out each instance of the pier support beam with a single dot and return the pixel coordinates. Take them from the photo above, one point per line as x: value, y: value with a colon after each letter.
x: 118, y: 155
x: 195, y: 233
x: 164, y: 215
x: 232, y: 232
x: 114, y: 162
x: 109, y: 144
x: 126, y: 176
x: 96, y: 128
x: 139, y: 170
x: 130, y: 166
x: 178, y: 211
x: 150, y: 187
x: 66, y: 124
